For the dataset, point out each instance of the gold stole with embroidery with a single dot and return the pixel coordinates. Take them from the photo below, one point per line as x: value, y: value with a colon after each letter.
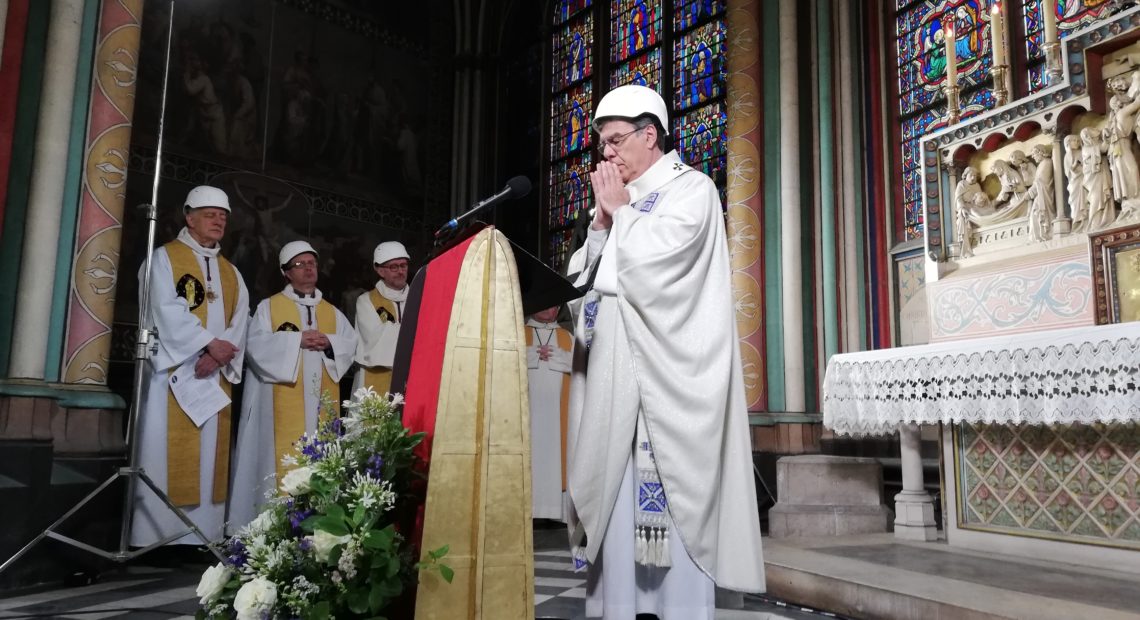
x: 564, y: 343
x: 289, y: 398
x: 183, y: 458
x: 380, y: 378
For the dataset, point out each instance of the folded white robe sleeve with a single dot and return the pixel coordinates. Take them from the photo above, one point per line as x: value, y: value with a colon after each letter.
x: 274, y: 356
x: 378, y: 338
x: 343, y: 348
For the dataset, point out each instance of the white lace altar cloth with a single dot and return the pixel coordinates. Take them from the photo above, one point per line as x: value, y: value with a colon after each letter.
x: 1083, y: 374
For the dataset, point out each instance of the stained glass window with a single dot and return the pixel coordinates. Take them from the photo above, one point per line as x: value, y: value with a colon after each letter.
x: 676, y: 48
x: 920, y: 46
x: 570, y: 129
x: 569, y: 181
x: 635, y: 26
x: 644, y: 70
x: 700, y: 139
x: 564, y: 9
x: 571, y: 52
x: 1072, y: 15
x: 698, y: 65
x: 689, y: 13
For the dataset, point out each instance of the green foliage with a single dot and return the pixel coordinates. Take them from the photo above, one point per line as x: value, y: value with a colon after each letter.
x: 328, y: 546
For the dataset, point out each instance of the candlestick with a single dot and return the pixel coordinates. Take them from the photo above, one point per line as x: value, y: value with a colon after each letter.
x: 1001, y: 93
x: 951, y: 55
x: 997, y: 34
x: 953, y: 110
x: 1049, y: 14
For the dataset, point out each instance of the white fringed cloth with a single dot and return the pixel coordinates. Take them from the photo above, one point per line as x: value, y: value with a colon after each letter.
x: 1083, y: 374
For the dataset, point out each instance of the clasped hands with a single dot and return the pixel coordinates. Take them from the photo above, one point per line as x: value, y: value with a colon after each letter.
x: 610, y: 194
x: 544, y: 352
x: 217, y: 354
x: 313, y: 340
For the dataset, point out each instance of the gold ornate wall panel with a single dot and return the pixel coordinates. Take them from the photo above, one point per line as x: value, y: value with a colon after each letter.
x: 745, y: 201
x: 95, y: 266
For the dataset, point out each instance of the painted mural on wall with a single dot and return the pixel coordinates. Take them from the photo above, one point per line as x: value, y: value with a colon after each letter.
x: 318, y: 93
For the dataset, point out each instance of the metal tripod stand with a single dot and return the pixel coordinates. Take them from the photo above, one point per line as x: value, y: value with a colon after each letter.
x: 144, y: 348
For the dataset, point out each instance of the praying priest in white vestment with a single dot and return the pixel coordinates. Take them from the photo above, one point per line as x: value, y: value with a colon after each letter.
x: 660, y: 471
x: 379, y: 313
x: 548, y: 362
x: 299, y: 347
x: 200, y: 308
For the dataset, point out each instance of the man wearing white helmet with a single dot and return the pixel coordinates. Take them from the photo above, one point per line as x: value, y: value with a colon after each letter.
x: 379, y: 313
x: 299, y: 347
x: 660, y: 471
x: 200, y: 308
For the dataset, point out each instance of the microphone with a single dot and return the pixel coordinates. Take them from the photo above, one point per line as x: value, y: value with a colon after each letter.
x: 517, y: 187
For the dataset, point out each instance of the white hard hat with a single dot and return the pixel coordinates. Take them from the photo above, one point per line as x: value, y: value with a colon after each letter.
x: 206, y: 196
x: 292, y: 250
x: 389, y: 250
x: 631, y: 101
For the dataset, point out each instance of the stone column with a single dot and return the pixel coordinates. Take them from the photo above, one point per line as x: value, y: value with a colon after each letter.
x: 791, y: 265
x: 1062, y: 222
x: 914, y: 508
x: 745, y: 200
x: 95, y: 269
x: 45, y: 200
x: 951, y: 214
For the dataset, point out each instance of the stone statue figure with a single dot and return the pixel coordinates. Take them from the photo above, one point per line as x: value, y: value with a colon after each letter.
x: 1013, y: 186
x: 1117, y: 136
x: 1018, y: 160
x: 1041, y: 195
x: 1097, y: 181
x: 1078, y: 204
x: 970, y: 200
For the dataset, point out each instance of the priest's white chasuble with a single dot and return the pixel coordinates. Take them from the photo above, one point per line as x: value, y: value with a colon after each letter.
x: 196, y: 296
x: 379, y: 313
x: 549, y: 391
x: 660, y: 455
x: 283, y: 391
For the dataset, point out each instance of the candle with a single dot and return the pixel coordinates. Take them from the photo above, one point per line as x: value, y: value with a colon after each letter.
x: 997, y: 35
x: 1049, y: 11
x: 951, y: 55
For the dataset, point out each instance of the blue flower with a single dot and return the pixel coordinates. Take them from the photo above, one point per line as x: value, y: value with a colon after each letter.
x: 236, y: 553
x: 375, y: 466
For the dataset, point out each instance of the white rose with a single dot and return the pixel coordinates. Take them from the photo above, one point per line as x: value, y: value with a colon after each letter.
x: 296, y: 482
x: 322, y: 543
x: 259, y: 525
x: 213, y: 581
x: 255, y: 599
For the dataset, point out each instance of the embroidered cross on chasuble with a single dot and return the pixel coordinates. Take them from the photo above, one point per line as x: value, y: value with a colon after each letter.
x: 183, y: 460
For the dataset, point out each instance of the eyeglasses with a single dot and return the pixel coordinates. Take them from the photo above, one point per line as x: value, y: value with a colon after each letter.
x: 312, y: 264
x: 397, y: 267
x: 616, y: 140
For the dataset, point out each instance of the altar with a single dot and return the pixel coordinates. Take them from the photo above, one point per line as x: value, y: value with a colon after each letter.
x: 1028, y: 364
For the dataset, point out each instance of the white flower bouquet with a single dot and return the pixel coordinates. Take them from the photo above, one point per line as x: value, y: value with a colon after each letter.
x: 328, y: 546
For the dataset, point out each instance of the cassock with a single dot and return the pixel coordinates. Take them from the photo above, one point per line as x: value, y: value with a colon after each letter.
x: 549, y: 382
x: 284, y: 384
x: 660, y: 471
x: 196, y: 296
x: 378, y: 316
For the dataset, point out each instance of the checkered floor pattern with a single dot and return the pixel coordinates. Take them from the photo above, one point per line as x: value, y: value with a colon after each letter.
x: 145, y: 593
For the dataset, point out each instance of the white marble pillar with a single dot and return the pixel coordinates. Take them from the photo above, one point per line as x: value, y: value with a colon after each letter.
x: 950, y: 211
x: 791, y: 264
x: 914, y: 508
x: 45, y: 200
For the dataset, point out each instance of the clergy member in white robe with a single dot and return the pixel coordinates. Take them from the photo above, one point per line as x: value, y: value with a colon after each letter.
x: 299, y: 347
x: 660, y: 471
x: 200, y: 308
x: 379, y: 313
x: 548, y: 362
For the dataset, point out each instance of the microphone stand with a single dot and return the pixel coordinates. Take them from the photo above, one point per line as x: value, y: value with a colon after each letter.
x: 144, y: 348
